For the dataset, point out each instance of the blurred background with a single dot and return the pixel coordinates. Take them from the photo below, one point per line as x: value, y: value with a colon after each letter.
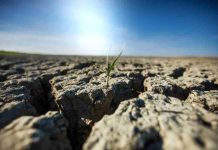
x: 94, y: 27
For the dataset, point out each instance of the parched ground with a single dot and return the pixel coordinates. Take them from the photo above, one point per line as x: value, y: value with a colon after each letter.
x: 62, y: 102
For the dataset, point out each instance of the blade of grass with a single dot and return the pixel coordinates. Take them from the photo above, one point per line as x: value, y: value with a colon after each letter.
x: 110, y: 67
x: 114, y: 62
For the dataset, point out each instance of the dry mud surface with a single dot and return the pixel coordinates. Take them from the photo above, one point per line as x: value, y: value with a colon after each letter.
x: 63, y: 103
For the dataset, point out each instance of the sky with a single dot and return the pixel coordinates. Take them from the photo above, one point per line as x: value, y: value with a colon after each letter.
x: 99, y: 27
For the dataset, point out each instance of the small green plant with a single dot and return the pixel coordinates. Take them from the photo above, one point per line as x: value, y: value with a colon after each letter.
x: 110, y: 67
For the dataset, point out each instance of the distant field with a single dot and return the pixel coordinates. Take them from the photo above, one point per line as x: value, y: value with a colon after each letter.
x: 3, y: 52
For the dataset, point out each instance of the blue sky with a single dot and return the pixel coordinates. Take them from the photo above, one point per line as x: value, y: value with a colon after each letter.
x: 94, y: 27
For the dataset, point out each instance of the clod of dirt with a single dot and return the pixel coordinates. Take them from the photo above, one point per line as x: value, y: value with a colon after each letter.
x: 48, y: 131
x: 84, y: 100
x: 179, y: 88
x: 15, y: 109
x: 204, y: 99
x: 154, y: 121
x: 166, y: 86
x: 29, y: 90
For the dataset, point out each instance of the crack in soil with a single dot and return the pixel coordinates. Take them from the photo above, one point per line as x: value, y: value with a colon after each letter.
x: 79, y: 129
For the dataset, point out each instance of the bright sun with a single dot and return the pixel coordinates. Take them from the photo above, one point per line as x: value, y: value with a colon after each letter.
x: 90, y: 22
x: 89, y: 25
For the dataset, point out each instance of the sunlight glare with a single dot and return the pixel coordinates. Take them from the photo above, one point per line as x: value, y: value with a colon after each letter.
x: 89, y: 24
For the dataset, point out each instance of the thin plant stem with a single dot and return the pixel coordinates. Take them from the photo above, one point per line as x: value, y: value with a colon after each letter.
x: 110, y: 67
x: 107, y: 80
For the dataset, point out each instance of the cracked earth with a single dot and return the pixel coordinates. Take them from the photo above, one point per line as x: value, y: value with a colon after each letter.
x: 63, y: 103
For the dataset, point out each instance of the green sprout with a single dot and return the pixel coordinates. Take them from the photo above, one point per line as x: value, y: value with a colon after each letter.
x: 110, y: 67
